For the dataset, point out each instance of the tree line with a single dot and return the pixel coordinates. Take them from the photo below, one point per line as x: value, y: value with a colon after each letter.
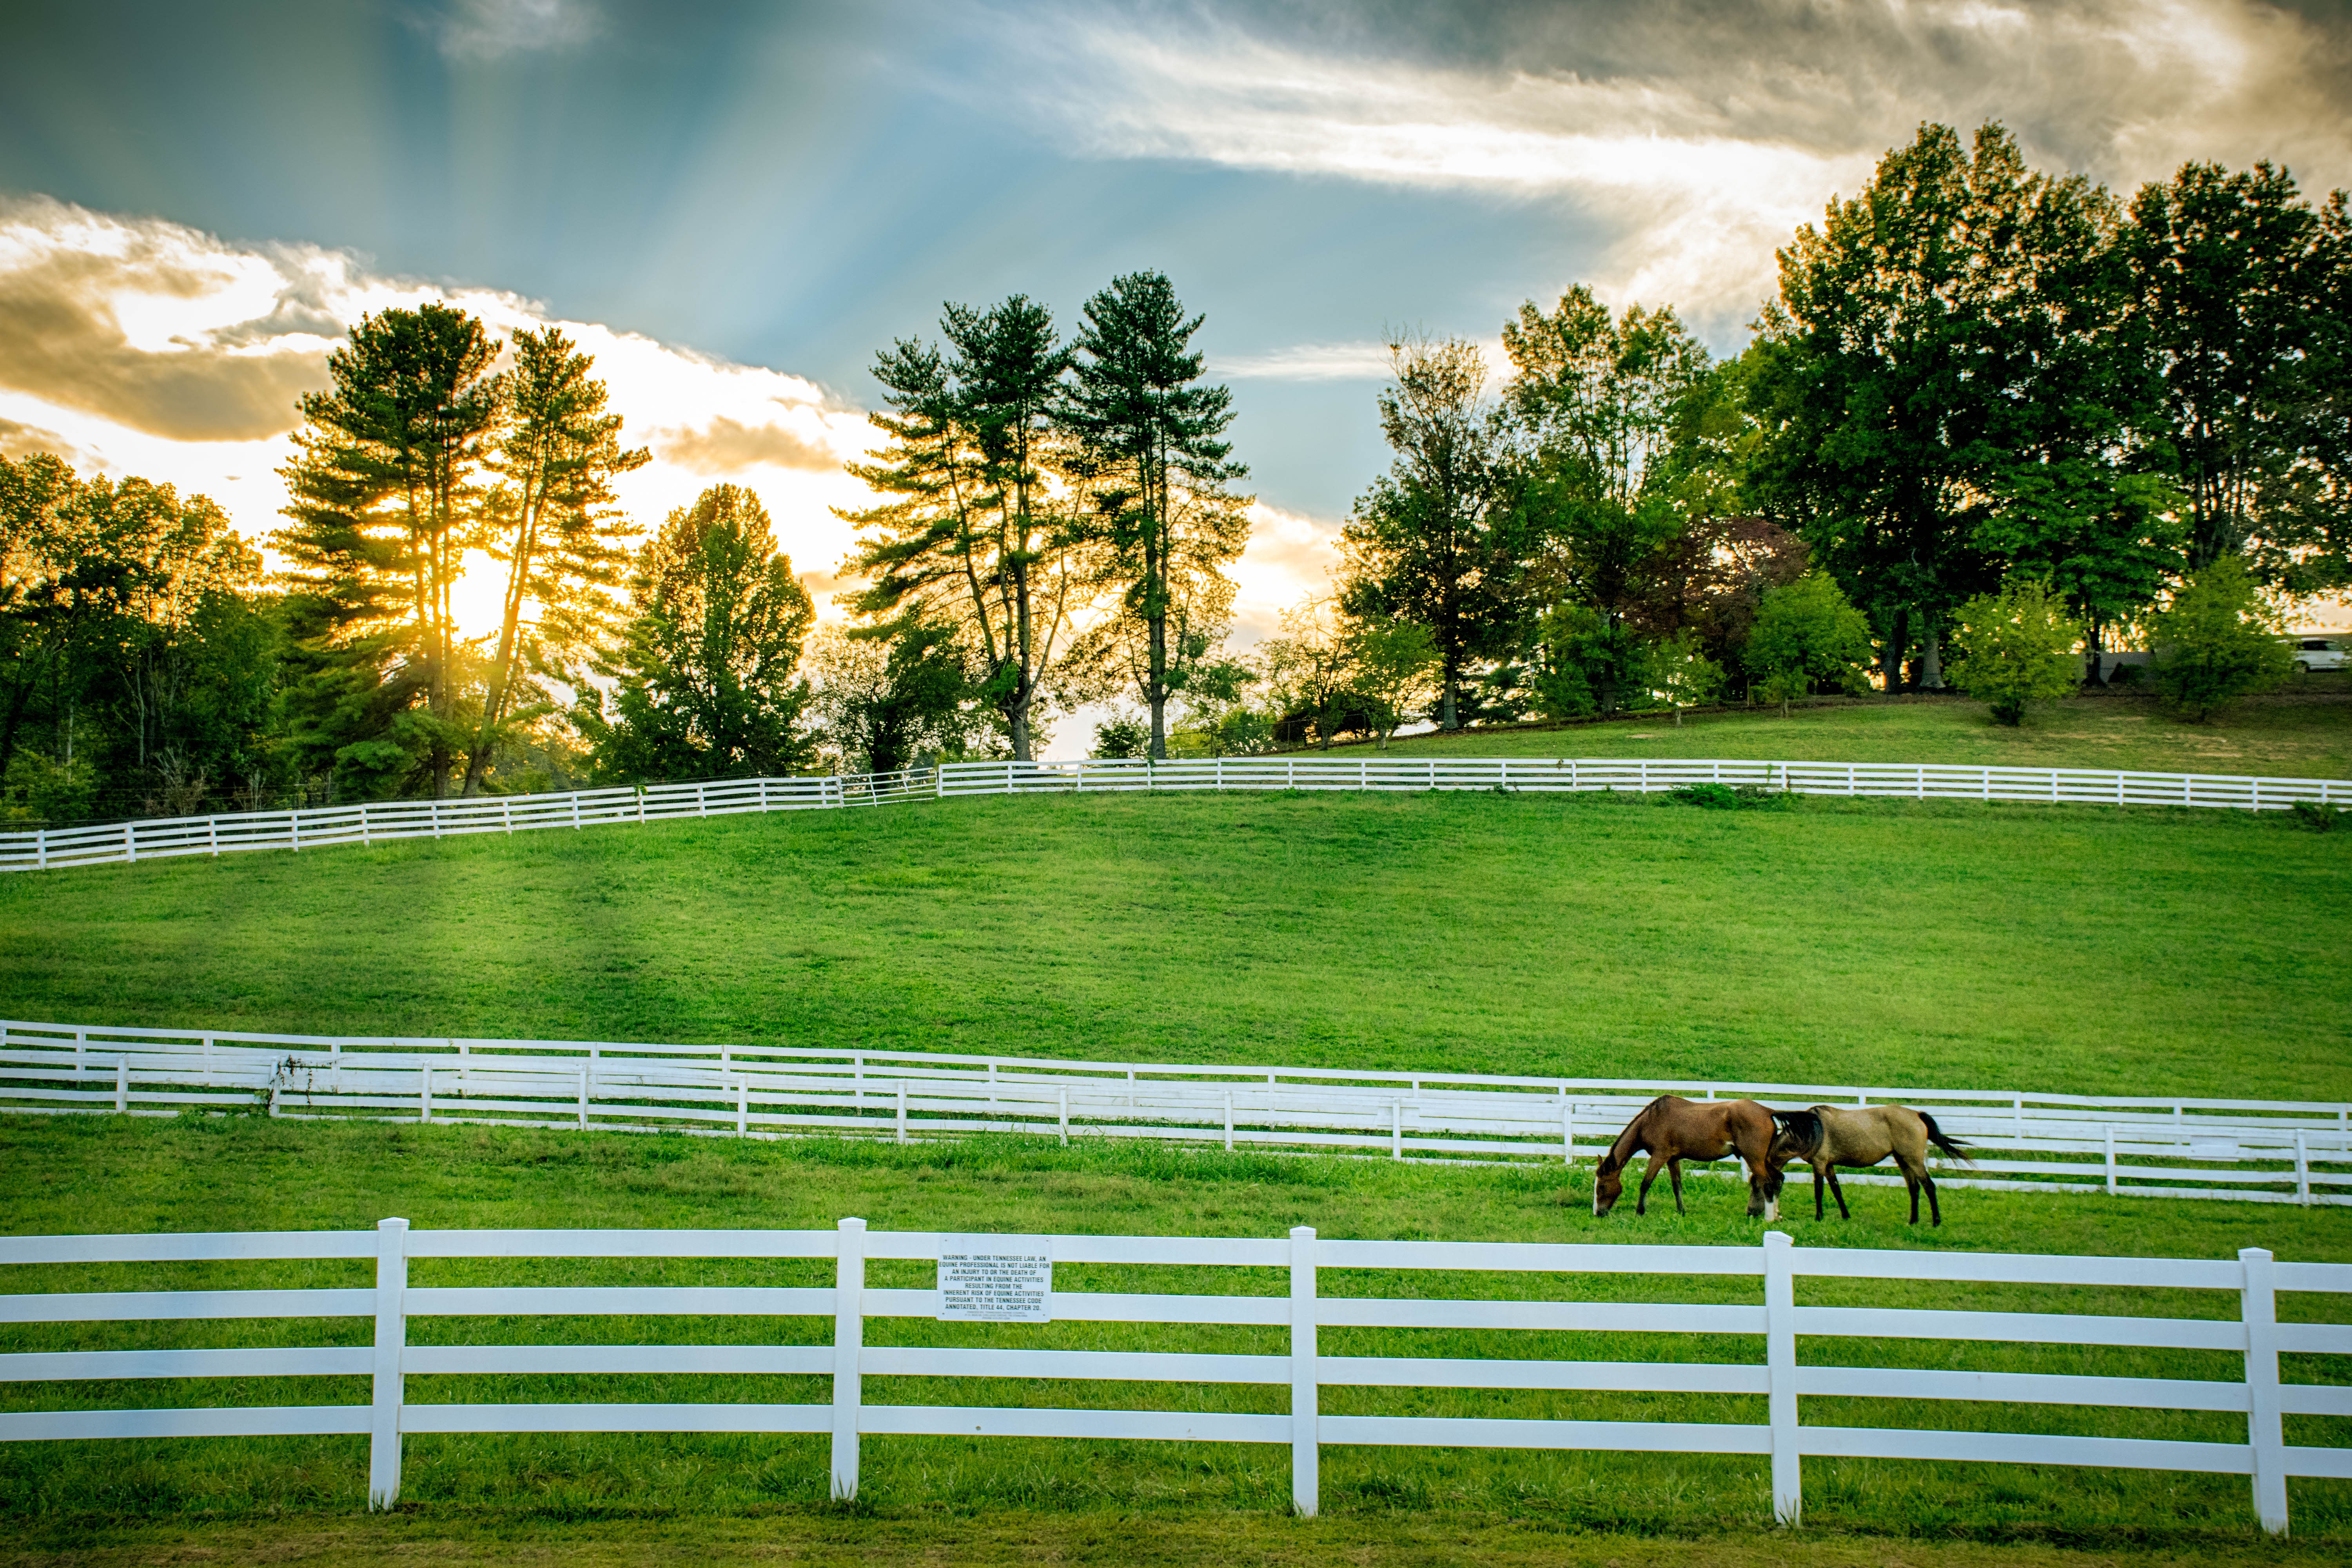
x: 1995, y: 422
x: 1992, y: 409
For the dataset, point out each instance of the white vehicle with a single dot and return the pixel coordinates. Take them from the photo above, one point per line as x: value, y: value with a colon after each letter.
x: 2322, y: 653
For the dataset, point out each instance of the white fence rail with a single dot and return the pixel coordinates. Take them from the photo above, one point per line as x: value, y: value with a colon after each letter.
x: 389, y: 821
x: 2256, y: 1334
x: 2249, y: 1150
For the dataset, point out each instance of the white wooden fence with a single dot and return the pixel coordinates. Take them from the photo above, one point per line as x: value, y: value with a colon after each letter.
x: 2257, y: 1151
x: 385, y: 821
x: 2256, y: 1334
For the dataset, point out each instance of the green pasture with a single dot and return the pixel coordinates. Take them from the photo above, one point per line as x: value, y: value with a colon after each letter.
x: 105, y: 1174
x: 2302, y: 731
x: 1891, y: 944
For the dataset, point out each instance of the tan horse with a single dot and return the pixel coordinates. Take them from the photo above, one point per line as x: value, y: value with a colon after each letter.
x: 1672, y: 1129
x: 1827, y: 1136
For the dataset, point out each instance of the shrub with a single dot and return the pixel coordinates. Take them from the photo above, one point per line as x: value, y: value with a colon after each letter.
x: 1731, y: 797
x: 1807, y: 636
x: 2319, y: 818
x: 2016, y: 647
x: 1122, y: 738
x: 2215, y: 643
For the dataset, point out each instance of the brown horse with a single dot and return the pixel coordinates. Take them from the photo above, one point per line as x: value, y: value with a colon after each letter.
x: 1673, y: 1129
x: 1827, y: 1136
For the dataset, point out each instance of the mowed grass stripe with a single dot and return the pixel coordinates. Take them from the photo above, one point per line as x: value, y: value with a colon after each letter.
x: 2073, y: 948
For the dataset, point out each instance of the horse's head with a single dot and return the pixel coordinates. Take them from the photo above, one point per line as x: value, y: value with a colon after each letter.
x: 1764, y: 1193
x: 1795, y: 1135
x: 1608, y: 1185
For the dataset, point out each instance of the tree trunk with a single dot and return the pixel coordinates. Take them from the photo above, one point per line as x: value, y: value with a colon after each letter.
x: 1931, y: 662
x: 1898, y: 643
x: 2094, y: 675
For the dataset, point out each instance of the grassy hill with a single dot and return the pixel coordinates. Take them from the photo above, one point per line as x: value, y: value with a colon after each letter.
x: 1894, y: 944
x: 2303, y: 731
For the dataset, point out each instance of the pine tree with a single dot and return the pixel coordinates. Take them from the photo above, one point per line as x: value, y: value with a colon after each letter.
x: 1149, y: 437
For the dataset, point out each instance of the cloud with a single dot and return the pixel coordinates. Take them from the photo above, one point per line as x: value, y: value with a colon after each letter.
x: 1290, y: 557
x: 1307, y: 362
x: 129, y: 324
x: 23, y: 440
x: 133, y: 345
x: 1700, y: 134
x: 493, y: 30
x: 727, y: 446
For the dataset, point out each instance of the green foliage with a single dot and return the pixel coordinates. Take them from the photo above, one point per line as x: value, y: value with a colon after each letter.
x: 1398, y: 668
x: 1949, y: 332
x: 889, y: 695
x: 707, y: 683
x: 552, y: 521
x: 2216, y: 642
x: 385, y: 486
x: 137, y: 670
x: 1808, y: 636
x: 1162, y: 520
x: 1682, y: 675
x: 1584, y: 664
x: 2016, y: 647
x: 2319, y: 818
x: 1120, y: 738
x: 2240, y: 314
x: 1429, y: 544
x: 1733, y: 797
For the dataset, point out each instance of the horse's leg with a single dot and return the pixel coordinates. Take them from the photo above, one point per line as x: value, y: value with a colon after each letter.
x: 1675, y: 1175
x: 1821, y: 1186
x: 1911, y: 1179
x: 1641, y: 1200
x: 1844, y: 1213
x: 1935, y: 1209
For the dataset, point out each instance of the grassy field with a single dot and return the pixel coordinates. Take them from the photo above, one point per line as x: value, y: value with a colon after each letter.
x: 1067, y: 1500
x: 2303, y: 731
x: 1894, y: 944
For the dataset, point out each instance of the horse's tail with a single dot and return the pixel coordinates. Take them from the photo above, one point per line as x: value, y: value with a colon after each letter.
x: 1943, y: 1140
x: 1804, y: 1128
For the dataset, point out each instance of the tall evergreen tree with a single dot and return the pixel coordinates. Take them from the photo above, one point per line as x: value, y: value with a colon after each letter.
x: 551, y: 520
x: 384, y: 484
x: 972, y: 538
x: 1151, y: 442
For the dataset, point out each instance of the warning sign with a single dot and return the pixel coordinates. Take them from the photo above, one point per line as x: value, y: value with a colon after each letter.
x: 996, y: 1280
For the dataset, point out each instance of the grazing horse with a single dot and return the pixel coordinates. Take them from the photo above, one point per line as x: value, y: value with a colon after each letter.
x: 1673, y: 1129
x: 1827, y: 1136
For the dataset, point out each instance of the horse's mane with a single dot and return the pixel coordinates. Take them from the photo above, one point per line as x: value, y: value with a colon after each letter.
x: 1804, y: 1128
x: 1623, y: 1149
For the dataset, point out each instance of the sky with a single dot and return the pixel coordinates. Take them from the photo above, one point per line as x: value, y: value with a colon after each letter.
x: 733, y: 206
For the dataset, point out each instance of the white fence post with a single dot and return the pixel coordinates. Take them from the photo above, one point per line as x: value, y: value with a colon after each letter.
x: 390, y: 1340
x: 1063, y: 1095
x: 584, y: 1100
x: 1229, y: 1121
x: 1305, y: 1455
x: 424, y: 1093
x: 2264, y: 1431
x: 742, y: 1106
x: 1396, y: 1129
x: 122, y: 1086
x: 2111, y: 1161
x: 2302, y: 1171
x: 902, y: 1110
x: 1780, y: 1373
x: 848, y: 1346
x: 1567, y: 1130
